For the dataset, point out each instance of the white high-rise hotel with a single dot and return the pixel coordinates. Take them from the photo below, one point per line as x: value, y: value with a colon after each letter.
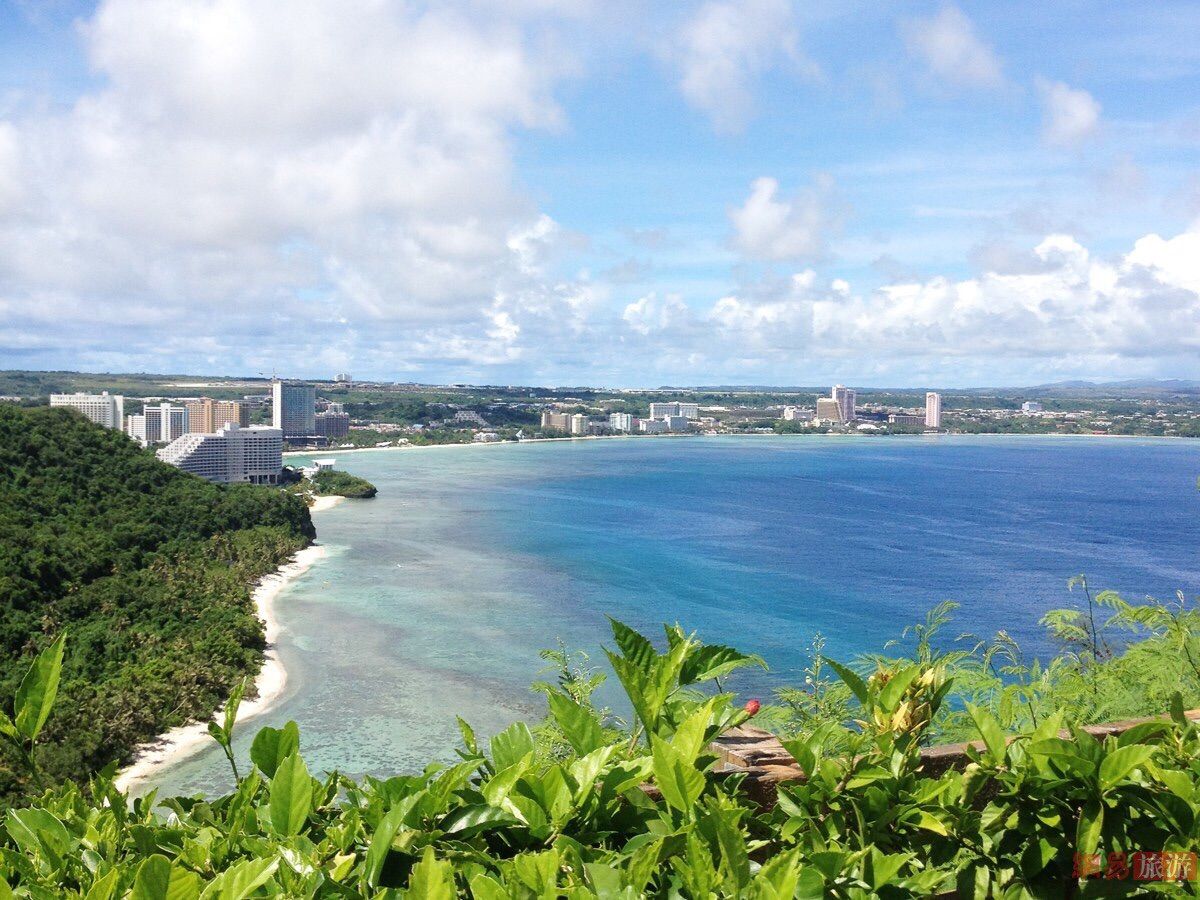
x: 933, y: 410
x: 103, y: 409
x: 232, y: 455
x: 845, y: 397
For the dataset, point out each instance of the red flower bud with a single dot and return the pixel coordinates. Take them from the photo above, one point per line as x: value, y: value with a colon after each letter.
x: 752, y: 707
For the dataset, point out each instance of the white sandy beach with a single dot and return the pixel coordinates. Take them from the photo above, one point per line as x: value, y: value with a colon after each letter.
x: 151, y: 758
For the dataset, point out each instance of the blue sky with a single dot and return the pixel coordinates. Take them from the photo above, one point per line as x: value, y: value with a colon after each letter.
x: 623, y: 194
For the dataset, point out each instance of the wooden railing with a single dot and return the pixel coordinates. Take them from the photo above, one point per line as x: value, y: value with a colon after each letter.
x: 761, y: 757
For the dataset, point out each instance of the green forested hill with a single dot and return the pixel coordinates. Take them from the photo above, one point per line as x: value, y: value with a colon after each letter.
x: 148, y: 568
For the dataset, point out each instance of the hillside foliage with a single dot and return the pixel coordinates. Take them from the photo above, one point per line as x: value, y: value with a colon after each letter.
x: 149, y: 566
x: 342, y: 484
x: 1050, y: 811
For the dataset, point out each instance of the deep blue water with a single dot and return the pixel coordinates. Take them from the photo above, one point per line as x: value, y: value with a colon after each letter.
x: 435, y: 597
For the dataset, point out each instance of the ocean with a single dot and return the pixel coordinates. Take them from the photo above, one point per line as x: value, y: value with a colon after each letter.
x: 434, y: 598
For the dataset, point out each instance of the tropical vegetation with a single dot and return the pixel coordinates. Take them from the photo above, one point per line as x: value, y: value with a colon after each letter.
x: 151, y: 569
x: 586, y: 805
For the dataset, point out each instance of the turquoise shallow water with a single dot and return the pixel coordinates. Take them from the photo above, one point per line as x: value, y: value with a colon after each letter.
x: 435, y: 597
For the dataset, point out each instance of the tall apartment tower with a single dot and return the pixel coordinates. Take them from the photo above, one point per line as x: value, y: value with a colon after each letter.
x: 103, y: 408
x: 933, y: 410
x: 294, y: 409
x: 844, y: 397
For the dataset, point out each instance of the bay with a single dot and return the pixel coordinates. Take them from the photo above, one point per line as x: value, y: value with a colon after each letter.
x: 434, y: 598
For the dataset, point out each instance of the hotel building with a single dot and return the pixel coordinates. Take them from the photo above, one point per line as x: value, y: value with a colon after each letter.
x: 294, y: 410
x: 159, y: 423
x: 845, y: 398
x: 232, y: 455
x: 103, y: 408
x: 933, y: 410
x: 207, y: 416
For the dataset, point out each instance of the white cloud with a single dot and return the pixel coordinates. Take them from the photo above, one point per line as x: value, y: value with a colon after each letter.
x: 767, y: 228
x: 1069, y: 115
x: 948, y: 46
x: 1060, y: 306
x: 723, y: 49
x: 243, y: 178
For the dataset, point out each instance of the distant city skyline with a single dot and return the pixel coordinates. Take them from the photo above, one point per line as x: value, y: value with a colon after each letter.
x: 755, y: 192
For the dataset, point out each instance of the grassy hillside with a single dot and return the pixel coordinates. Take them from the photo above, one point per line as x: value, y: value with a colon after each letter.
x: 147, y: 567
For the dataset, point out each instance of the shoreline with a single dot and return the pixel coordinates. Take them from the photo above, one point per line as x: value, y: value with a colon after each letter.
x: 330, y: 451
x: 150, y: 758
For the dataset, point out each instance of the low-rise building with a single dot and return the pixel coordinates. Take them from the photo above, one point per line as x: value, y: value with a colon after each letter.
x: 654, y: 426
x: 905, y: 419
x: 796, y: 414
x: 232, y: 455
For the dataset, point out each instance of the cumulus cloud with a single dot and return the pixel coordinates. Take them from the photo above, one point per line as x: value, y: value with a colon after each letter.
x: 1069, y: 115
x: 233, y: 176
x: 723, y: 49
x: 949, y: 48
x: 1055, y: 303
x: 773, y: 229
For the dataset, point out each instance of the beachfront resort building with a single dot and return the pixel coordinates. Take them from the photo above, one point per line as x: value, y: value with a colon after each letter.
x: 620, y: 421
x: 845, y: 398
x: 104, y: 408
x: 662, y: 410
x: 294, y: 410
x: 829, y: 411
x: 232, y: 455
x: 933, y: 410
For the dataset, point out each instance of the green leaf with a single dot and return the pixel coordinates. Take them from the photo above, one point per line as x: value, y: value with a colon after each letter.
x: 218, y: 734
x: 681, y: 784
x: 485, y: 887
x: 990, y: 731
x: 431, y: 879
x: 1118, y: 764
x: 153, y: 878
x: 642, y: 865
x: 635, y: 648
x: 39, y: 687
x: 688, y: 740
x: 291, y: 796
x: 468, y: 736
x: 157, y: 879
x: 733, y: 852
x: 468, y: 821
x: 510, y: 745
x: 241, y: 880
x: 273, y: 745
x: 1036, y: 856
x: 1138, y: 734
x: 102, y: 888
x: 857, y: 686
x: 709, y: 661
x: 889, y: 696
x: 38, y: 832
x: 577, y: 722
x: 231, y: 707
x: 1091, y: 826
x: 884, y: 866
x: 381, y: 842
